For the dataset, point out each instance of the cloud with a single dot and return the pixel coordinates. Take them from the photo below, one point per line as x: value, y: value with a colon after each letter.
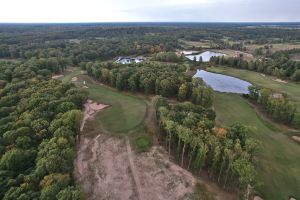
x: 145, y: 10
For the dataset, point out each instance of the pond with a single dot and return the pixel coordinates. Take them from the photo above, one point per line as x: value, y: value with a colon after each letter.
x: 223, y: 83
x: 205, y: 56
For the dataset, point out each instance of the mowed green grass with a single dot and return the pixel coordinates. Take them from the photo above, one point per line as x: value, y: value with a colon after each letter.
x: 290, y: 88
x: 69, y: 75
x: 126, y: 112
x: 279, y: 161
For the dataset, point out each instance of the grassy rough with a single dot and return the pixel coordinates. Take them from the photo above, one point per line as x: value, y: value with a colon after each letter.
x: 290, y: 88
x: 278, y: 164
x: 142, y: 143
x: 126, y: 112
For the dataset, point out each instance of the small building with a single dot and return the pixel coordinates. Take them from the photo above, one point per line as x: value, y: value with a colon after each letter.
x: 129, y: 60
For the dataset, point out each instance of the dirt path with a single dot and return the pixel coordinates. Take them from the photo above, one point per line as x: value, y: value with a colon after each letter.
x: 134, y: 171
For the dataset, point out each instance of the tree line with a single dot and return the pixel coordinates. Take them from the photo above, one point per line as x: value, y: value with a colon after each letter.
x: 39, y: 121
x: 280, y: 65
x: 227, y: 154
x: 276, y: 104
x: 89, y: 42
x: 168, y: 80
x: 167, y: 57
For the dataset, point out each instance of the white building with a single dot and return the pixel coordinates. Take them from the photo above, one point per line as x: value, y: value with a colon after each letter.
x: 129, y: 60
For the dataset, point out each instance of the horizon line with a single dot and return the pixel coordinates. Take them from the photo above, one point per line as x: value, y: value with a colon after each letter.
x: 183, y: 22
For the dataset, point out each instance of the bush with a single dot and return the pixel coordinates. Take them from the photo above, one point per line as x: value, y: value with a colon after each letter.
x: 142, y: 143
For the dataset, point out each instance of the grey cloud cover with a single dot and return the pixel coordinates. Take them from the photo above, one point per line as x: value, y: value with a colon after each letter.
x: 150, y: 10
x: 222, y: 11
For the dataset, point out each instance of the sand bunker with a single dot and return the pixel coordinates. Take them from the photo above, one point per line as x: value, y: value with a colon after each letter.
x: 69, y: 69
x: 57, y: 76
x: 279, y: 80
x: 257, y: 198
x: 74, y: 79
x: 90, y: 110
x: 296, y: 138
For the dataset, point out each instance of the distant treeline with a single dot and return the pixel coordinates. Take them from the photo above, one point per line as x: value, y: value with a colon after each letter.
x: 89, y: 50
x: 89, y: 42
x: 280, y: 65
x: 168, y: 80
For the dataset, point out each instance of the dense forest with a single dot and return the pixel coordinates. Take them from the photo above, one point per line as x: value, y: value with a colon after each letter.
x: 227, y: 154
x: 168, y: 80
x: 106, y: 41
x: 39, y: 123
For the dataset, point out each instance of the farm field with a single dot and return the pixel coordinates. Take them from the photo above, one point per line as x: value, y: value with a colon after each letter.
x: 200, y: 44
x: 275, y: 47
x: 278, y: 164
x: 235, y: 53
x: 290, y: 88
x: 295, y: 57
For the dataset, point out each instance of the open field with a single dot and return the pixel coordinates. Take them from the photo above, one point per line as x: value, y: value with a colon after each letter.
x: 235, y: 53
x: 295, y: 57
x: 275, y: 47
x: 200, y: 44
x: 290, y: 88
x: 278, y: 164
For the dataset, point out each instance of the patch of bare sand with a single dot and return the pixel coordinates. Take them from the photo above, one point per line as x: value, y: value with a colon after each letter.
x: 106, y: 168
x: 103, y: 170
x: 90, y: 110
x: 279, y: 80
x: 74, y: 79
x: 57, y: 76
x: 257, y: 198
x: 69, y: 69
x: 296, y: 138
x: 163, y: 179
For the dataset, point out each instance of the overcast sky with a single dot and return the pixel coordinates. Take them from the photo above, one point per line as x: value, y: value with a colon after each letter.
x: 149, y: 10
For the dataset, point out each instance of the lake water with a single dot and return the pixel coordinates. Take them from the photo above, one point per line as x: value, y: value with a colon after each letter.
x: 223, y: 83
x: 205, y: 56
